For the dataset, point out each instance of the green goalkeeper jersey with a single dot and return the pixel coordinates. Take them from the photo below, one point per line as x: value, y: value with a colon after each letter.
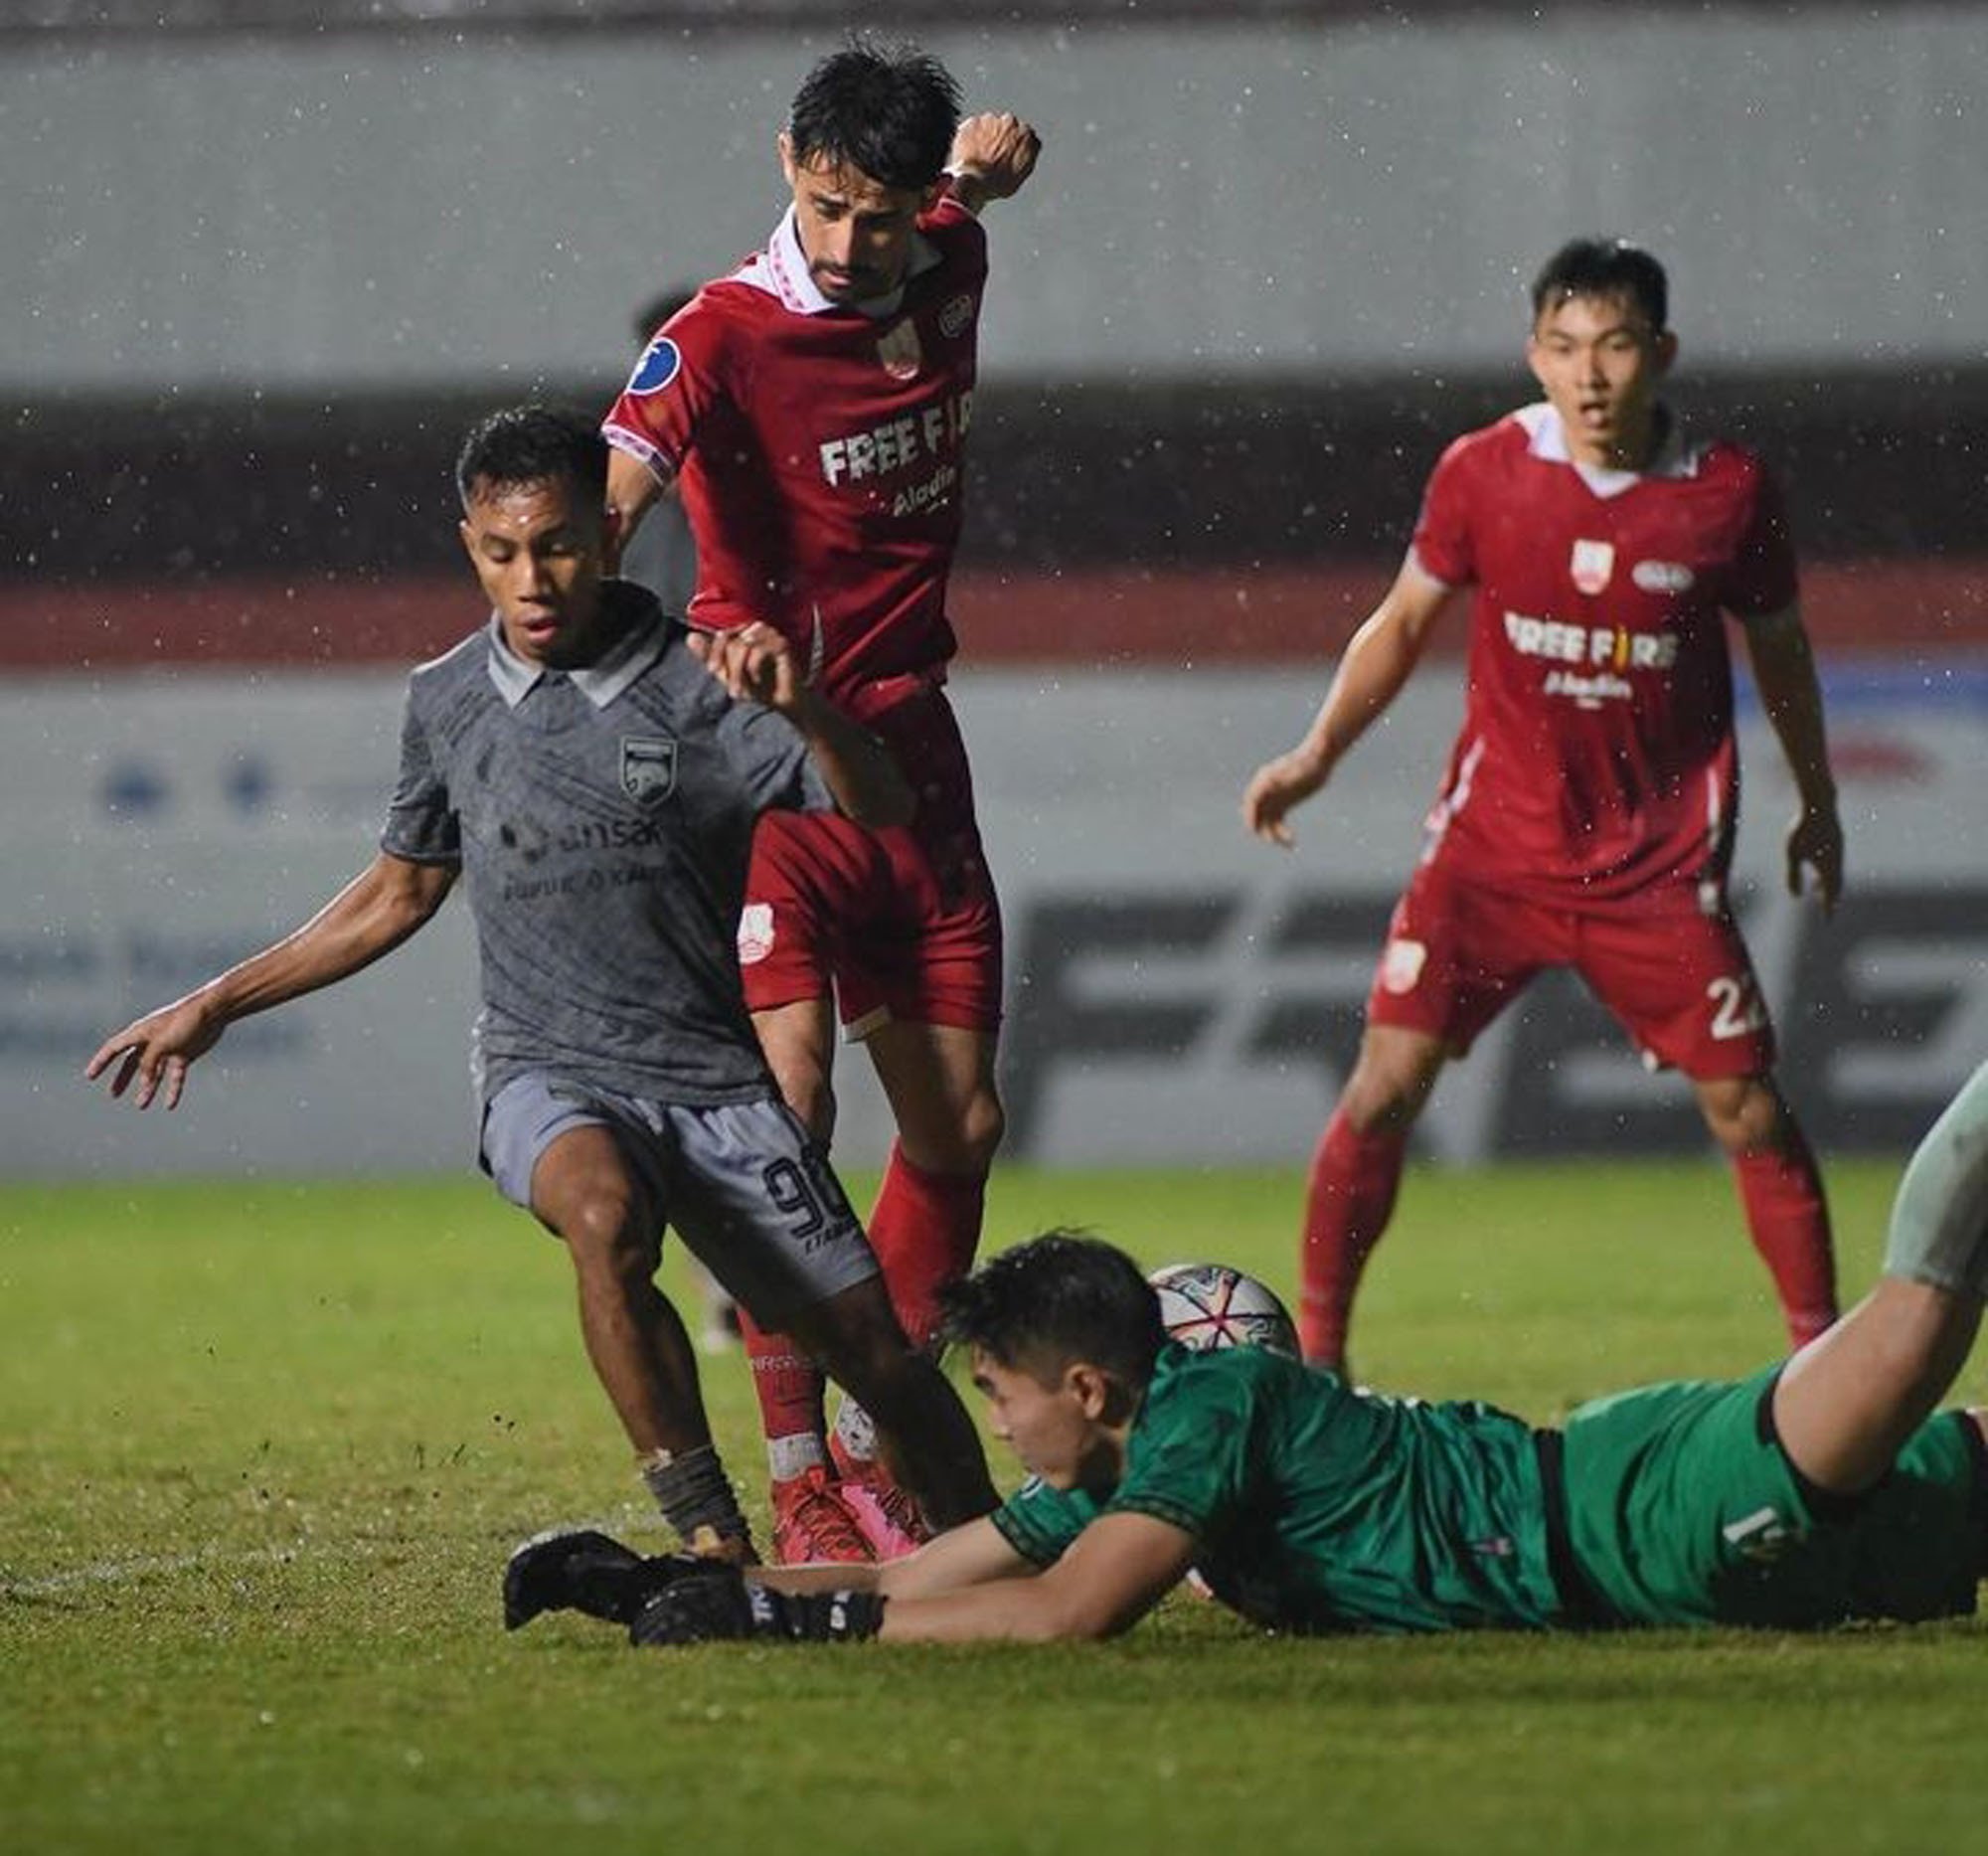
x: 1317, y: 1507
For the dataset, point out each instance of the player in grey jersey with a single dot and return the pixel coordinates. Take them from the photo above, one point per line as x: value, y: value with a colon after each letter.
x: 593, y: 772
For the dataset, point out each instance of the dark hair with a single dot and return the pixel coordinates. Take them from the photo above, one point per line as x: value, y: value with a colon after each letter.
x: 534, y: 444
x: 887, y: 111
x: 1604, y: 267
x: 1060, y: 1298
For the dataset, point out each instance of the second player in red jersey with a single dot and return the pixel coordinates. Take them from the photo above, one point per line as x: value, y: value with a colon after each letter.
x: 1586, y: 817
x: 812, y: 408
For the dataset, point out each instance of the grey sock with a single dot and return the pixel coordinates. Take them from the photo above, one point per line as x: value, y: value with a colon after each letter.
x: 696, y: 1496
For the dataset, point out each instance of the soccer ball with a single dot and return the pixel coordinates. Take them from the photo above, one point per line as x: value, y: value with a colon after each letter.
x: 1209, y: 1305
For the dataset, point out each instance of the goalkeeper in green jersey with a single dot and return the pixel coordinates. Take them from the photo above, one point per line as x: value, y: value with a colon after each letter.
x: 1820, y: 1490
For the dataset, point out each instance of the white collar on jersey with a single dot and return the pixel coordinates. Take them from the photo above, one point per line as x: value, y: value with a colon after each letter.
x: 1546, y: 440
x: 781, y: 271
x: 599, y: 682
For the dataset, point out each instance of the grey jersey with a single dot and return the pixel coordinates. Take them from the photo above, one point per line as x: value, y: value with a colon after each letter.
x: 601, y: 819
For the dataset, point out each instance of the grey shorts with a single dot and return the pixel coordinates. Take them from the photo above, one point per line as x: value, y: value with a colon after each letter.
x: 739, y: 1182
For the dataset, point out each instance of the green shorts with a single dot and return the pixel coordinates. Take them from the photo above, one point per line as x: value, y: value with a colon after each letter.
x: 1682, y: 1509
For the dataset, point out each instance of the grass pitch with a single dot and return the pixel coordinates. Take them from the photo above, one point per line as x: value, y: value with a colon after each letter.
x: 264, y: 1447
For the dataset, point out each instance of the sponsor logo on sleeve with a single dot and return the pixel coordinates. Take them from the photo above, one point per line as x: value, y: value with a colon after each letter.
x: 1592, y: 564
x: 1402, y: 965
x: 1663, y: 576
x: 648, y: 768
x: 661, y: 363
x: 756, y: 932
x: 954, y: 315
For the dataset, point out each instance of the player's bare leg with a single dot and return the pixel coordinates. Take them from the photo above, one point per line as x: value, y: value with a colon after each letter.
x: 1781, y: 1189
x: 811, y: 1520
x: 1355, y: 1172
x: 1849, y: 1400
x: 930, y: 1439
x: 583, y: 1191
x: 799, y: 1041
x: 924, y: 1225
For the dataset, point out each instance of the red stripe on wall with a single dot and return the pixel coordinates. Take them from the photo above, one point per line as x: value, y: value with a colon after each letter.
x: 1094, y: 617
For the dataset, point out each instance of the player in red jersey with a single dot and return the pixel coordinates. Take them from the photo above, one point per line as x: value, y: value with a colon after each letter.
x: 1588, y: 815
x: 812, y: 410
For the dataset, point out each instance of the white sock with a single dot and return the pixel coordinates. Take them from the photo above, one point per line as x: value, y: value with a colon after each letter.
x: 795, y: 1455
x: 1939, y: 1219
x: 856, y: 1433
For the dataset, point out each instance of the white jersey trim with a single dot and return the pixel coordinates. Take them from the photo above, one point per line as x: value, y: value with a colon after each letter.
x: 781, y: 271
x: 1546, y: 440
x: 641, y: 450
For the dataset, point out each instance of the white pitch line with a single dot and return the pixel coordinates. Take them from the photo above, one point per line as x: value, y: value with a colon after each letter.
x: 149, y: 1566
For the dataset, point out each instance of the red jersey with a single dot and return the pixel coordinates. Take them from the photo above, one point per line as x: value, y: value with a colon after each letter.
x: 818, y: 450
x: 1597, y: 757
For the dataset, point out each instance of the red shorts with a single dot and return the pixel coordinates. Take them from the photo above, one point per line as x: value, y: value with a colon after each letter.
x: 1677, y: 977
x: 901, y: 924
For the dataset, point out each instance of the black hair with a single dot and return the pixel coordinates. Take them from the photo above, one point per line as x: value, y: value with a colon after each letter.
x: 1604, y: 267
x: 887, y: 111
x: 1060, y: 1298
x: 534, y: 444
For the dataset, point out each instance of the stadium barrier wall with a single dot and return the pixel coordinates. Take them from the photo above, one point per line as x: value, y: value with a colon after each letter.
x: 1284, y: 195
x: 1177, y: 992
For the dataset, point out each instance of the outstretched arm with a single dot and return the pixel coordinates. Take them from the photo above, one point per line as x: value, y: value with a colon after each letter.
x: 757, y: 664
x: 1784, y: 669
x: 1117, y: 1570
x: 992, y: 155
x: 976, y: 1553
x: 967, y: 1586
x: 1376, y: 664
x: 376, y: 910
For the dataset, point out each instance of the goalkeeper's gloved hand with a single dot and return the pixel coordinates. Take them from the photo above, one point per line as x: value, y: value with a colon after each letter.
x: 583, y: 1570
x: 708, y: 1609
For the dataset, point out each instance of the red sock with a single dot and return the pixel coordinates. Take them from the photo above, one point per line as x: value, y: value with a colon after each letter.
x: 924, y: 1227
x: 1348, y: 1201
x: 1788, y: 1217
x: 787, y: 1384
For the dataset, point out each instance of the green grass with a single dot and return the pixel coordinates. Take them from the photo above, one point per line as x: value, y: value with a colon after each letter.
x: 263, y: 1448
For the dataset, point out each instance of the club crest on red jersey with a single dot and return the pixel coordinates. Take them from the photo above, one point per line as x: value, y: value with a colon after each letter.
x: 1591, y: 565
x: 954, y: 315
x: 901, y: 352
x: 756, y: 932
x: 660, y: 364
x: 648, y: 768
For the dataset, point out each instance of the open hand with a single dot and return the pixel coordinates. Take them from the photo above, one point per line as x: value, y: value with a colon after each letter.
x: 157, y: 1049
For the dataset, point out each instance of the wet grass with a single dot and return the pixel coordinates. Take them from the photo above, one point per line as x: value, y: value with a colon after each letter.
x: 263, y: 1448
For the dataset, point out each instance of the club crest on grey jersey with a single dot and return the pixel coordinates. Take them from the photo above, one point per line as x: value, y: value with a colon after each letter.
x: 648, y: 768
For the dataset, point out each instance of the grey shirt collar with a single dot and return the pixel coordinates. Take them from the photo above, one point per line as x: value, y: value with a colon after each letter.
x: 601, y: 681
